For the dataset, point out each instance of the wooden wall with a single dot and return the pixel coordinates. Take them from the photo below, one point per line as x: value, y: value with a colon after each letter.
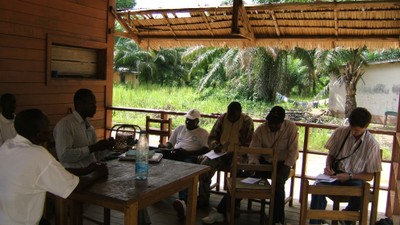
x: 25, y: 27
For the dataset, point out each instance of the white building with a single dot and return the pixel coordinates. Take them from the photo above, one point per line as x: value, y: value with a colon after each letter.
x: 378, y: 91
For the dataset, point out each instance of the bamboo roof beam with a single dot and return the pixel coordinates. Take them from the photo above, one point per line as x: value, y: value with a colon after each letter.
x: 125, y: 26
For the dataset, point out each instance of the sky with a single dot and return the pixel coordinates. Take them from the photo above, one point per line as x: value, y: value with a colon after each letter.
x: 175, y: 3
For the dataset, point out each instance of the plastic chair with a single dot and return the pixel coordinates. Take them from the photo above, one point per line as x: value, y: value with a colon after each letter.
x: 237, y: 189
x: 334, y: 215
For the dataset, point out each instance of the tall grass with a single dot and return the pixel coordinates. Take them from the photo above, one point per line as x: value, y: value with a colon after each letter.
x: 176, y: 99
x: 185, y: 98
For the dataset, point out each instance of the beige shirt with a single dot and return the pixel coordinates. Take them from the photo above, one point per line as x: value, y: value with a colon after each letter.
x: 285, y: 141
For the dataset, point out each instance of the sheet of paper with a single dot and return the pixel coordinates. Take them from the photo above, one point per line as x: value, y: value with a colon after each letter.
x: 250, y: 180
x: 213, y: 155
x: 324, y: 178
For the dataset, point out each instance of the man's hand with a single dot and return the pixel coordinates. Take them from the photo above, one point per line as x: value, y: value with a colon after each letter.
x: 101, y: 169
x: 329, y: 171
x: 102, y: 145
x: 342, y: 177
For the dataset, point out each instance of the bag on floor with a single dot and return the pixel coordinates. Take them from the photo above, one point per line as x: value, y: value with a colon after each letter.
x: 384, y: 221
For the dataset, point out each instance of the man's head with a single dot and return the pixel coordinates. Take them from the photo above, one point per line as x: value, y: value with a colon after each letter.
x: 8, y: 105
x: 234, y: 111
x: 85, y: 103
x: 192, y: 119
x: 275, y: 118
x: 359, y: 120
x: 33, y: 125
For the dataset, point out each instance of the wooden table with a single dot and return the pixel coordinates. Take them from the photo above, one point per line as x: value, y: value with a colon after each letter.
x: 120, y: 191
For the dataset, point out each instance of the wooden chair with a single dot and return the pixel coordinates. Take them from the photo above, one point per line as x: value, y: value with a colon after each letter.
x: 334, y: 215
x: 289, y: 198
x: 373, y: 196
x: 163, y: 128
x: 239, y: 190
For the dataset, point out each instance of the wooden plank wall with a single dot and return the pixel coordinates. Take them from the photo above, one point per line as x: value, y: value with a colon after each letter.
x: 24, y: 27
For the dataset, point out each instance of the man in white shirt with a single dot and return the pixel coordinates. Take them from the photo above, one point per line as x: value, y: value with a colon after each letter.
x: 28, y: 171
x: 188, y: 141
x: 8, y: 106
x: 75, y: 137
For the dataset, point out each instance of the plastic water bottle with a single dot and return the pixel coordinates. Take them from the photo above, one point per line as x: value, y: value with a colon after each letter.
x: 142, y: 157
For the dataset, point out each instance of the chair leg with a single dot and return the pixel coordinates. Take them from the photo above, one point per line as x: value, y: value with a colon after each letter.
x: 335, y: 207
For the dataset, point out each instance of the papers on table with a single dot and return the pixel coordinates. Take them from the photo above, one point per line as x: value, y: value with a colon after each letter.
x: 250, y: 180
x: 325, y: 178
x: 213, y: 155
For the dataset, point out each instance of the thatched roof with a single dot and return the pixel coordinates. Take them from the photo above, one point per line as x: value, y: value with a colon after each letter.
x: 375, y: 24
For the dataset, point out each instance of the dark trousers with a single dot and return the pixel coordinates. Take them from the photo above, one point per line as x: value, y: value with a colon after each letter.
x: 319, y: 201
x: 282, y: 174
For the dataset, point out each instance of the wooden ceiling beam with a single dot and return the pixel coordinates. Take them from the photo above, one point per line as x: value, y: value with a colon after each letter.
x: 127, y: 28
x: 246, y: 23
x: 278, y: 32
x: 205, y: 18
x: 168, y: 23
x: 235, y: 16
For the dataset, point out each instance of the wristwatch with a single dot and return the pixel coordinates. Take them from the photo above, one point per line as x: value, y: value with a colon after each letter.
x: 350, y: 176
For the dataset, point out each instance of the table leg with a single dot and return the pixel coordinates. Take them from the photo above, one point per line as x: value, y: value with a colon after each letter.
x: 131, y: 214
x: 192, y: 202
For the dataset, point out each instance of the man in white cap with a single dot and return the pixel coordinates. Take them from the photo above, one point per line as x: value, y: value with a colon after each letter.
x: 188, y: 142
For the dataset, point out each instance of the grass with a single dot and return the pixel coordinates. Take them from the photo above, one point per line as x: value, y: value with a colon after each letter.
x: 185, y: 98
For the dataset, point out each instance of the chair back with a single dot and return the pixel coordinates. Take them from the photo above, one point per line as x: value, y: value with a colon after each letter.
x: 373, y: 198
x: 262, y: 189
x: 159, y: 127
x: 125, y: 135
x: 336, y: 214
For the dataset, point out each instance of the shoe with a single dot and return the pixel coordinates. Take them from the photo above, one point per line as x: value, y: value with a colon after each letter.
x: 180, y: 208
x: 213, y: 217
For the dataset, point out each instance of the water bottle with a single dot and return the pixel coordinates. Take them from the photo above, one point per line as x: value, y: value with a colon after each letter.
x: 142, y: 157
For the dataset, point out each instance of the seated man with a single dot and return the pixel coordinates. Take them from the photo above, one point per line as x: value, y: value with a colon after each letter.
x: 230, y: 129
x: 189, y: 141
x: 7, y: 103
x: 34, y: 172
x: 278, y: 133
x: 76, y: 139
x: 354, y: 157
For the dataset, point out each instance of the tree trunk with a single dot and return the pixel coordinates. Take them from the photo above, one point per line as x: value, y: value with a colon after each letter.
x: 351, y: 102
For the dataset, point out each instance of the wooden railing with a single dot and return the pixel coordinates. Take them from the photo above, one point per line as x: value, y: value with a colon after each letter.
x: 392, y: 208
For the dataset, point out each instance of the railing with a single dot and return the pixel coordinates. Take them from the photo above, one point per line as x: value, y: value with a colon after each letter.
x: 305, y: 152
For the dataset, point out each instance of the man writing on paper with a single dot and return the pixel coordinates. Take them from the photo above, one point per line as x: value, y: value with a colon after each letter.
x: 354, y: 157
x: 230, y: 129
x: 282, y: 135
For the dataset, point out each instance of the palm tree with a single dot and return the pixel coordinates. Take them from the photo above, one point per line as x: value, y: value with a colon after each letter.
x: 313, y: 60
x: 347, y: 65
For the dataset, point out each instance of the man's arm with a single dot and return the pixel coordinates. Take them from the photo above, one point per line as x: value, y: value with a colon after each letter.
x: 198, y: 152
x: 293, y: 146
x: 99, y: 170
x: 215, y: 134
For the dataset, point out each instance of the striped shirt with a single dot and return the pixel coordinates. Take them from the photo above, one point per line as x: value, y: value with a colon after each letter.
x: 365, y: 152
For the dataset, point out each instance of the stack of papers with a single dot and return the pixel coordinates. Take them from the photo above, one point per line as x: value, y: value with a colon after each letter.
x: 213, y: 155
x: 325, y: 178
